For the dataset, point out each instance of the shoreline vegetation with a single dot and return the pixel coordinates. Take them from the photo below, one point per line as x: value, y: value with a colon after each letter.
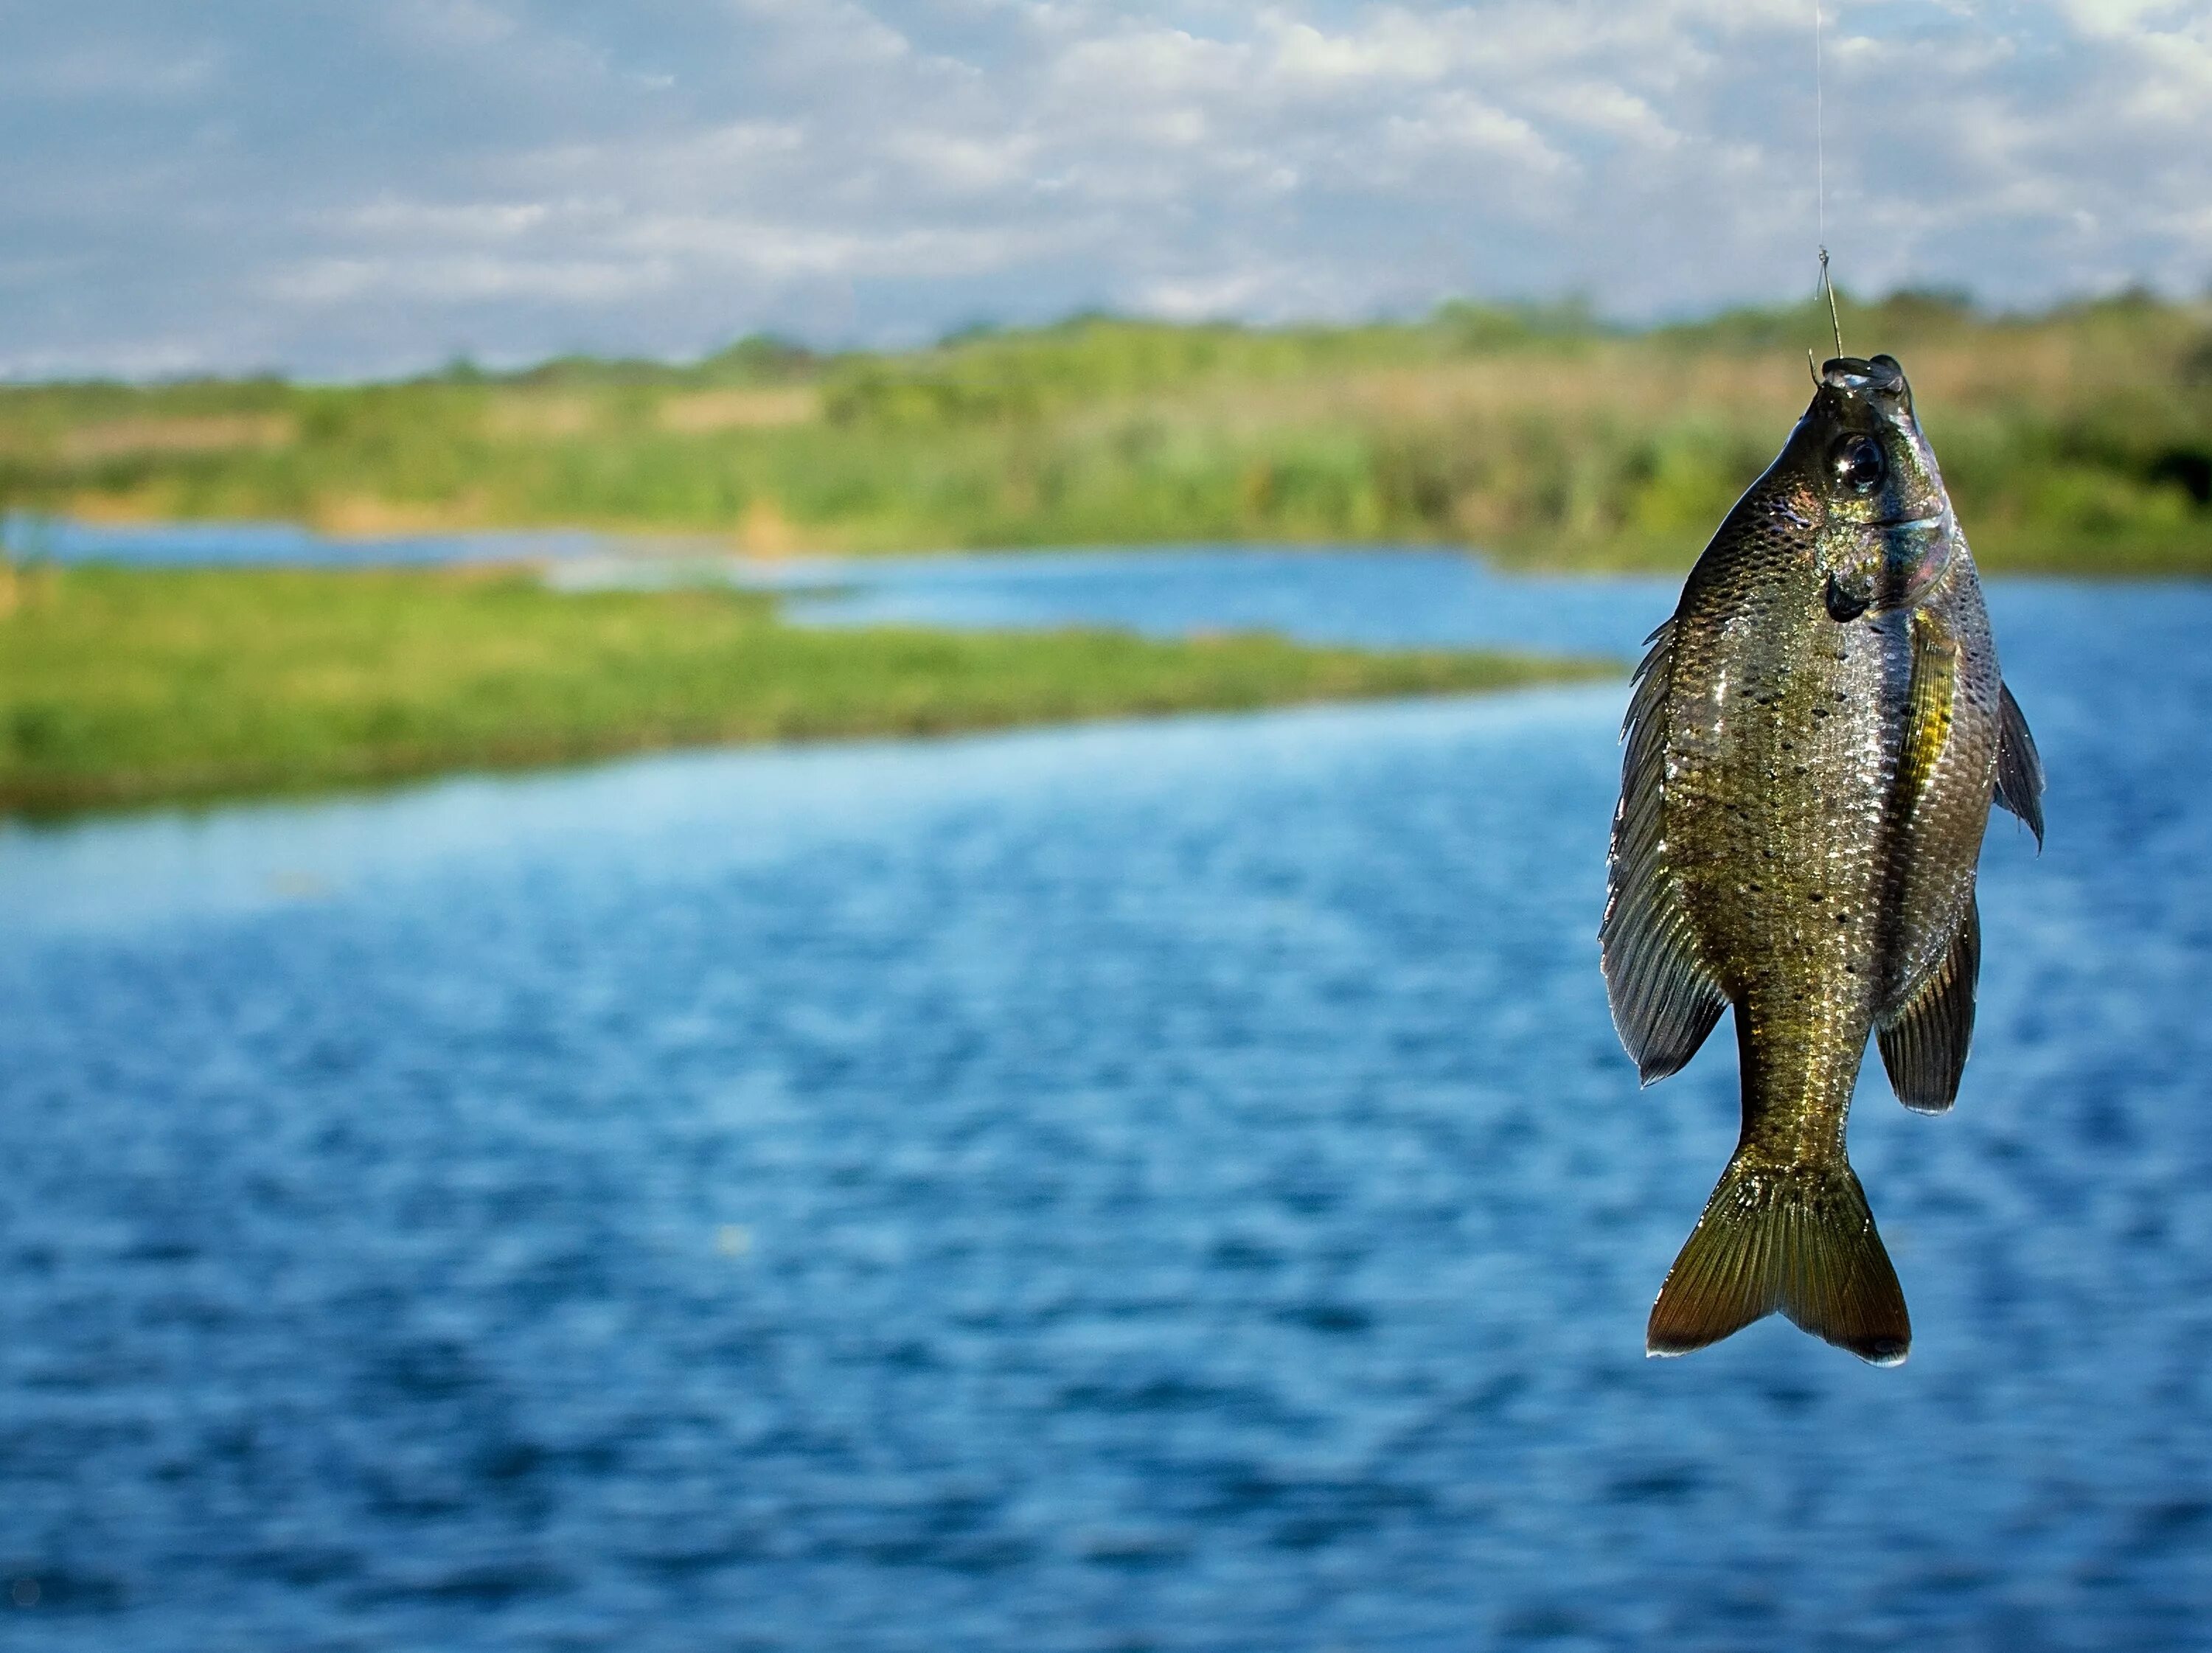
x: 2078, y: 441
x: 122, y: 687
x: 2075, y: 441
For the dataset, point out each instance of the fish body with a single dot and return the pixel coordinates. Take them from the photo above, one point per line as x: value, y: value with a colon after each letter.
x: 1813, y: 743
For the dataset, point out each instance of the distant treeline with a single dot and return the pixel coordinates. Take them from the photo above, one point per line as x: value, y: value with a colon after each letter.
x: 2076, y: 440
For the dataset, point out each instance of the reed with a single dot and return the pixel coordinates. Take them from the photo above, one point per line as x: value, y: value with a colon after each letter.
x: 2079, y: 439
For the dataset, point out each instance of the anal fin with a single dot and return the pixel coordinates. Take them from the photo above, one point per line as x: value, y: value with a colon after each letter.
x: 1924, y: 1045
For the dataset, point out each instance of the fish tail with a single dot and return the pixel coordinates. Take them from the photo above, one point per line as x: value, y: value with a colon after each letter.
x: 1797, y: 1238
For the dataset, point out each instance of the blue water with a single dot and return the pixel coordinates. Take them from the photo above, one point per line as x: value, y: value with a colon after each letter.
x: 1156, y: 1186
x: 1409, y: 596
x: 1402, y: 597
x: 246, y: 544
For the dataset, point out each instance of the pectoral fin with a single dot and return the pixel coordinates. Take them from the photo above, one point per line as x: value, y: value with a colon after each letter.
x: 2020, y: 766
x: 1933, y: 700
x: 1665, y: 1000
x: 1923, y: 1046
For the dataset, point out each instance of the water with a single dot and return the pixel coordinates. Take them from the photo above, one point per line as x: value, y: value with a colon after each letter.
x: 1404, y: 597
x: 267, y: 544
x: 1166, y: 1185
x: 1411, y: 596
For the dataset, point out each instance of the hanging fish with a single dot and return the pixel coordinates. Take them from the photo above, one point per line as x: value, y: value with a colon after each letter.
x: 1813, y: 741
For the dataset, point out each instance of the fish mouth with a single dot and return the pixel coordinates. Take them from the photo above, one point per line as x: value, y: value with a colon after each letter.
x: 1850, y: 373
x: 1901, y: 524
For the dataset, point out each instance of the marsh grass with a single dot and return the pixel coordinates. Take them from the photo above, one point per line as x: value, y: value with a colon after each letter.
x: 2079, y: 440
x: 129, y: 686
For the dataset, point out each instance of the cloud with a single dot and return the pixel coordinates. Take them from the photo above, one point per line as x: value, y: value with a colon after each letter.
x: 321, y: 283
x: 371, y: 188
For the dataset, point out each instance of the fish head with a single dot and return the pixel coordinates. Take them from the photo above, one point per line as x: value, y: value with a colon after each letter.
x: 1866, y: 475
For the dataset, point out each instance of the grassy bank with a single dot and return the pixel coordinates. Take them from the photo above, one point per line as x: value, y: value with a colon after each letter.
x: 2077, y: 441
x: 126, y: 686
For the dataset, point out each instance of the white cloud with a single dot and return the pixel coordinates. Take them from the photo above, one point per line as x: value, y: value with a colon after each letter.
x: 233, y: 185
x: 462, y: 278
x: 111, y: 70
x: 1395, y: 47
x: 491, y: 221
x: 1235, y: 292
x: 1463, y: 122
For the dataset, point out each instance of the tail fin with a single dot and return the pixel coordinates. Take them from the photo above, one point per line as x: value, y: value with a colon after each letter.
x: 1795, y: 1237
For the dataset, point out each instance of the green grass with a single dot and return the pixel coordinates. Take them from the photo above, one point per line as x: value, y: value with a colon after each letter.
x: 2079, y: 440
x: 121, y: 687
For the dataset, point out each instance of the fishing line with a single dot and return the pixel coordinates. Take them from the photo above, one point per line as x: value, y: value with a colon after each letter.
x: 1821, y: 182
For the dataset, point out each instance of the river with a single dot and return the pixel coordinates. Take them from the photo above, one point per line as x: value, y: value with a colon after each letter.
x: 1152, y: 1185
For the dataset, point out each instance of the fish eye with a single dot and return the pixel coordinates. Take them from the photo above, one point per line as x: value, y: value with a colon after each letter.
x: 1860, y: 465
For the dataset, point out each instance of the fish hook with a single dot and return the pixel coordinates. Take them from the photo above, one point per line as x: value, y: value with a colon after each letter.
x: 1828, y: 287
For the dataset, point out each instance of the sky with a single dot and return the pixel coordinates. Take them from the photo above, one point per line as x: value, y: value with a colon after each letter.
x: 350, y: 188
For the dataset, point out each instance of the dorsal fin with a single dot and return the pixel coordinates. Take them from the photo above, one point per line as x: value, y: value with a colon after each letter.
x: 1665, y: 1000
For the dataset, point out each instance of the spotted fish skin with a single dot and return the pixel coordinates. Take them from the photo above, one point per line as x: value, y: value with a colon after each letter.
x: 1814, y: 744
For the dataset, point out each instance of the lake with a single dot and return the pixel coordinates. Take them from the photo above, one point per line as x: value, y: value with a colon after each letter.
x: 1153, y: 1185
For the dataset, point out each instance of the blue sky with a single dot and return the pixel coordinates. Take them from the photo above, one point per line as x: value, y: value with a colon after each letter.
x: 348, y: 187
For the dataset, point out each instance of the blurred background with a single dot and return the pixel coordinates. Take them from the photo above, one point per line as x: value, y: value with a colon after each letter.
x: 802, y: 810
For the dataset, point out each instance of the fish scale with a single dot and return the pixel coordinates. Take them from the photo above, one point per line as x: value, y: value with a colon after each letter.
x: 1814, y: 744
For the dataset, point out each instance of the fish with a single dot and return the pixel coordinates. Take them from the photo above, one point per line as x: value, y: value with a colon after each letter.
x: 1813, y: 745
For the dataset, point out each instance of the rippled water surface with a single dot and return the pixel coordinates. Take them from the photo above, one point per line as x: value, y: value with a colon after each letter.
x: 1162, y: 1186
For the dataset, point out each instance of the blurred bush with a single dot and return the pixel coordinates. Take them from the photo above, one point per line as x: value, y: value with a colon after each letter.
x: 2079, y: 438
